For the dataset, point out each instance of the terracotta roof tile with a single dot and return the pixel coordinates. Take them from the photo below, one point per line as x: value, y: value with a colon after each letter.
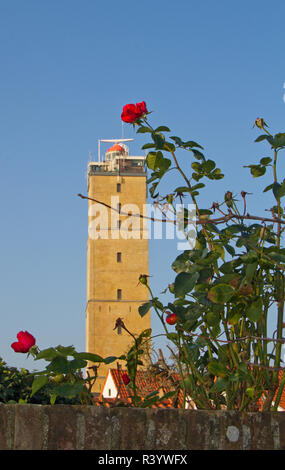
x: 146, y: 384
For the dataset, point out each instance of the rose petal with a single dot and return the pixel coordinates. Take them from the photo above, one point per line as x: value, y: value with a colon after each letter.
x: 18, y: 347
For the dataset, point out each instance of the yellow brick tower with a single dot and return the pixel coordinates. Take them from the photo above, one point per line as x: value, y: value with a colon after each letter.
x: 117, y: 253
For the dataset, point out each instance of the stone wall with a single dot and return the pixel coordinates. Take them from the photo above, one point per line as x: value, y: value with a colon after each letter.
x: 58, y: 427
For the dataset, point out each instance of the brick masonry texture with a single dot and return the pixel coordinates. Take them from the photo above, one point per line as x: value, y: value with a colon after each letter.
x: 64, y: 427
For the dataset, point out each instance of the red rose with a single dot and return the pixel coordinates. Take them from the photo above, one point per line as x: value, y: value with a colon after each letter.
x: 129, y: 113
x: 132, y: 112
x: 126, y: 379
x: 171, y: 318
x: 24, y: 343
x: 141, y: 108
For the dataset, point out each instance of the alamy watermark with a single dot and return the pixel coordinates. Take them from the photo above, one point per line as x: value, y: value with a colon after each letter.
x: 149, y: 221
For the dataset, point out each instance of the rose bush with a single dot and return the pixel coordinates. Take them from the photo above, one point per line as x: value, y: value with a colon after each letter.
x: 227, y: 284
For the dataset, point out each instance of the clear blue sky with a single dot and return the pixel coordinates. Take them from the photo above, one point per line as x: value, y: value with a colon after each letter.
x: 207, y: 70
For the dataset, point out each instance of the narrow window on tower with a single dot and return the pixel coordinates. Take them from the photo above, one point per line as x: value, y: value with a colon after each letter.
x: 119, y: 257
x: 118, y: 187
x: 119, y: 205
x: 118, y: 224
x: 119, y: 294
x: 119, y: 330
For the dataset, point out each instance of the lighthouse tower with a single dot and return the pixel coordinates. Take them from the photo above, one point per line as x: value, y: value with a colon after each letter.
x: 117, y: 252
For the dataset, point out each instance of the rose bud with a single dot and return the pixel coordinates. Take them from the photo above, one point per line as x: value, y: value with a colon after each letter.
x: 25, y: 342
x: 126, y: 379
x: 259, y: 122
x: 171, y: 318
x: 143, y: 279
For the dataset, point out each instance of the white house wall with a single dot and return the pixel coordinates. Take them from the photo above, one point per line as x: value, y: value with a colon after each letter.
x: 109, y: 386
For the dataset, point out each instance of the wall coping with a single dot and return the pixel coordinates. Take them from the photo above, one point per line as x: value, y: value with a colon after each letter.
x: 76, y: 427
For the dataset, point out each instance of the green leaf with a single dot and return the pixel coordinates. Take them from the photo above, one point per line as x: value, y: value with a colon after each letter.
x: 265, y: 160
x: 182, y: 263
x: 221, y: 293
x: 216, y: 174
x: 177, y: 140
x: 150, y: 401
x: 51, y: 353
x: 144, y: 308
x: 110, y: 359
x: 38, y: 383
x: 53, y: 398
x: 278, y: 190
x: 250, y: 392
x: 197, y: 154
x: 254, y: 311
x: 69, y: 390
x: 169, y: 147
x: 227, y: 267
x: 59, y: 365
x: 148, y: 146
x: 191, y: 143
x: 162, y: 129
x: 182, y: 189
x: 277, y: 256
x: 66, y: 350
x: 152, y: 190
x: 145, y: 334
x: 47, y: 354
x: 217, y: 368
x: 143, y: 130
x: 205, y: 212
x: 250, y: 270
x: 209, y: 165
x: 235, y: 313
x: 184, y: 283
x: 270, y: 186
x: 77, y: 364
x: 213, y: 318
x: 261, y: 137
x: 279, y: 140
x: 158, y: 139
x: 219, y: 386
x: 230, y: 249
x: 269, y: 138
x: 89, y: 357
x: 198, y: 186
x: 153, y: 160
x: 257, y: 170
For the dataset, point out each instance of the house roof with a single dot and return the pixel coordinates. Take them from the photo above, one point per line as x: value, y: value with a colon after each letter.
x: 147, y: 383
x: 144, y: 382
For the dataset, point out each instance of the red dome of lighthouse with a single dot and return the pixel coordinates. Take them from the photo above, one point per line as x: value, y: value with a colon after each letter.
x: 116, y: 148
